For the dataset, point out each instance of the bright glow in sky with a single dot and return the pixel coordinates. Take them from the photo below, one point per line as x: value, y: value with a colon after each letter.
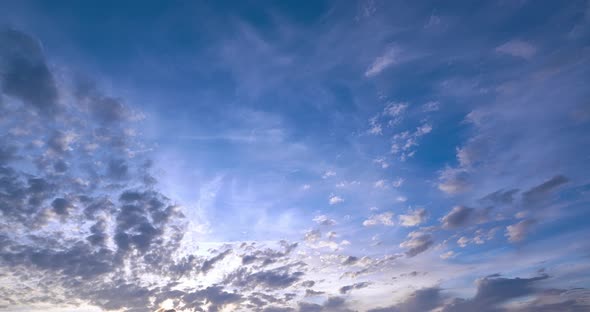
x: 295, y: 156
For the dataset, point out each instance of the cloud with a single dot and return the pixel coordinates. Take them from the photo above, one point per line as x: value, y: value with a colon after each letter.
x: 328, y: 173
x: 404, y: 143
x: 395, y: 109
x: 414, y: 217
x: 517, y: 48
x: 335, y: 200
x: 417, y: 242
x: 324, y: 220
x: 277, y: 278
x: 385, y: 218
x: 389, y: 58
x: 448, y: 255
x: 500, y: 197
x: 380, y: 184
x: 453, y: 181
x: 461, y: 216
x: 541, y: 191
x: 517, y: 232
x: 25, y: 73
x: 425, y: 299
x: 209, y: 263
x: 346, y: 289
x: 492, y: 295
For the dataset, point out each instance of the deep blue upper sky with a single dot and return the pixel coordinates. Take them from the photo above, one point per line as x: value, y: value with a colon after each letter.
x: 294, y: 155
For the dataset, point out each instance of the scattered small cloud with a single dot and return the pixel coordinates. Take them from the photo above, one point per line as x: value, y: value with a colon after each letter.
x: 517, y: 48
x: 385, y: 218
x: 333, y: 200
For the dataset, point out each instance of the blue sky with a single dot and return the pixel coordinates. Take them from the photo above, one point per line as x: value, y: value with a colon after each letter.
x: 294, y: 156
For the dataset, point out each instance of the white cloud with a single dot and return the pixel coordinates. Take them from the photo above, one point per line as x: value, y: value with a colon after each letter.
x: 404, y: 142
x: 344, y: 184
x: 395, y: 109
x: 375, y: 127
x: 324, y: 220
x: 463, y: 241
x: 381, y: 184
x: 382, y: 162
x: 448, y: 255
x: 305, y: 187
x: 517, y: 232
x: 413, y: 218
x: 517, y: 48
x: 335, y: 200
x: 385, y: 218
x: 382, y: 62
x: 328, y: 173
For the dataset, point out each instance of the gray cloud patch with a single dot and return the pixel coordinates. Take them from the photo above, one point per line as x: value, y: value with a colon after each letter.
x: 24, y: 71
x: 542, y: 190
x: 346, y: 289
x: 461, y: 216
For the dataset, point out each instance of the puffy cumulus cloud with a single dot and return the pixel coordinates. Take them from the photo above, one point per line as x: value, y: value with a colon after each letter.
x: 381, y: 184
x: 69, y: 217
x: 385, y: 218
x: 313, y: 239
x: 414, y: 217
x: 417, y: 242
x: 324, y: 220
x: 334, y: 199
x: 518, y: 231
x: 461, y: 216
x: 453, y: 180
x: 328, y: 174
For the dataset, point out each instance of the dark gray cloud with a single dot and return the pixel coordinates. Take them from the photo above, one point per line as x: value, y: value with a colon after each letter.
x: 61, y: 206
x: 24, y: 72
x: 541, y: 191
x: 350, y: 260
x: 209, y: 263
x: 346, y: 289
x: 106, y: 109
x: 417, y: 243
x: 277, y: 278
x: 492, y: 293
x: 461, y: 216
x: 61, y: 173
x: 421, y: 300
x: 216, y: 296
x: 500, y: 197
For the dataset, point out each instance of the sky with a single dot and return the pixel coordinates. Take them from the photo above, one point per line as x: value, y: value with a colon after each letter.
x: 371, y: 155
